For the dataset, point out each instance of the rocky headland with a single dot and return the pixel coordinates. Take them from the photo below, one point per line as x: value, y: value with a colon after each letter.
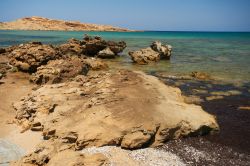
x: 41, y: 23
x: 86, y: 112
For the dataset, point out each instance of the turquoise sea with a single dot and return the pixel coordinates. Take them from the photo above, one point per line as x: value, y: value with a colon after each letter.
x: 224, y: 55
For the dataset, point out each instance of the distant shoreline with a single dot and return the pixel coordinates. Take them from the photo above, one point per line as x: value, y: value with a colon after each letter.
x: 129, y: 31
x: 46, y: 24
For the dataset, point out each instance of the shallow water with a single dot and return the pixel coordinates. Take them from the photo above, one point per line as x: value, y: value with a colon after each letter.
x: 223, y: 55
x: 9, y: 152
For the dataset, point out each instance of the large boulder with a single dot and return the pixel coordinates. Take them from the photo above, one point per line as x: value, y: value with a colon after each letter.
x: 154, y: 53
x: 28, y: 57
x: 116, y: 47
x: 57, y: 71
x: 93, y: 45
x: 72, y: 47
x: 124, y: 108
x: 144, y: 56
x: 163, y: 50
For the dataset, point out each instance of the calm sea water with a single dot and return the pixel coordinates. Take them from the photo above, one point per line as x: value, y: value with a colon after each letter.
x: 223, y: 55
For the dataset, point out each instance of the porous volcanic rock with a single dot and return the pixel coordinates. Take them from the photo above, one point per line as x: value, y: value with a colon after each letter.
x: 28, y: 57
x: 154, y: 53
x: 72, y: 47
x: 116, y: 47
x: 144, y: 56
x: 57, y: 71
x: 93, y: 45
x: 164, y: 50
x: 127, y: 109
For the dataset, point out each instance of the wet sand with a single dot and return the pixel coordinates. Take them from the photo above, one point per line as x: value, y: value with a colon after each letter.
x: 14, y: 144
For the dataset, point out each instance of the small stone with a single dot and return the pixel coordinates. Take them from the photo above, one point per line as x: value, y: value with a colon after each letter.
x: 70, y: 138
x: 106, y: 53
x: 37, y: 128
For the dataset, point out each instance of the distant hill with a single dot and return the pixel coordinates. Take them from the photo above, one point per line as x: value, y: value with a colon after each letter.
x: 41, y: 23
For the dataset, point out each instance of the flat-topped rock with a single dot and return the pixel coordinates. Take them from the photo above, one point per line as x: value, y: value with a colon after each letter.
x: 127, y: 109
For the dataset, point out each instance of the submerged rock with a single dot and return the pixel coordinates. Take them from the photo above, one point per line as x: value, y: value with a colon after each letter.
x: 144, y: 56
x: 200, y: 75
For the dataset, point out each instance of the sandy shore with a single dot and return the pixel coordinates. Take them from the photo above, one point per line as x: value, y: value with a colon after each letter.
x: 13, y: 143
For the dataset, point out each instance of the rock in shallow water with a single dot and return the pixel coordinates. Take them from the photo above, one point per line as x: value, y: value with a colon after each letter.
x: 144, y: 56
x: 164, y: 50
x: 153, y: 53
x: 106, y: 53
x: 72, y: 47
x: 93, y: 45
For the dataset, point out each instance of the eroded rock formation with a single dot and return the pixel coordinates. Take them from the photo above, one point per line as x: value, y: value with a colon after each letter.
x: 75, y: 108
x: 60, y: 70
x: 164, y: 50
x: 153, y: 53
x: 96, y: 45
x: 127, y: 109
x: 72, y: 47
x: 28, y: 57
x: 144, y: 56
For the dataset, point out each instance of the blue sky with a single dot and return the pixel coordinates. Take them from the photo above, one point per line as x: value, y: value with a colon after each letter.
x: 170, y: 15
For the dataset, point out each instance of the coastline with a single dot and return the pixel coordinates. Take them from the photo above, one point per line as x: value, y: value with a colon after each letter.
x: 212, y: 95
x: 196, y: 150
x: 42, y: 23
